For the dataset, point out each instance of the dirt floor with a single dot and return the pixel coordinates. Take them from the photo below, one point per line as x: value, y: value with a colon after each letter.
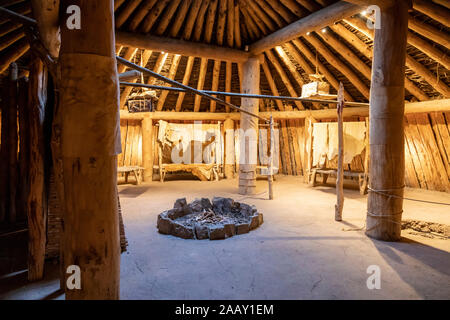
x: 299, y: 252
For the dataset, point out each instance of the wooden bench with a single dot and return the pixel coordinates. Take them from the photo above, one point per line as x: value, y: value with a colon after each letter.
x: 260, y: 168
x: 363, y: 177
x: 136, y: 170
x: 197, y: 169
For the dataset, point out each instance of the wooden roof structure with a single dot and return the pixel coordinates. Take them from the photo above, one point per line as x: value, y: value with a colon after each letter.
x: 341, y: 51
x: 255, y: 46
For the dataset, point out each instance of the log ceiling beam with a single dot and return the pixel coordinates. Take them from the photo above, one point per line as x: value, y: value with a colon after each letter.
x: 380, y: 3
x: 186, y: 48
x: 315, y: 21
x: 442, y: 105
x: 433, y: 10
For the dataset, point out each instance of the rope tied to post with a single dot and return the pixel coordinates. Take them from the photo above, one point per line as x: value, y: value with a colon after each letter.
x: 383, y: 192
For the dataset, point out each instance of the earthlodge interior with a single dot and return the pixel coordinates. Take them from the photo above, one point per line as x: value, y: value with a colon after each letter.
x: 296, y: 148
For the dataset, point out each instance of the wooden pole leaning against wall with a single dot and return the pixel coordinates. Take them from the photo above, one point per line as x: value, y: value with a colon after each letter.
x: 387, y: 158
x: 12, y: 142
x: 46, y: 13
x: 340, y: 169
x: 24, y: 149
x: 8, y: 161
x: 249, y: 128
x: 36, y: 202
x: 90, y: 148
x: 228, y: 128
x: 147, y: 148
x: 271, y: 154
x: 4, y: 181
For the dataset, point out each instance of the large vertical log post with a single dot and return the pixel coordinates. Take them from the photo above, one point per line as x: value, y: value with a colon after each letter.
x: 12, y: 142
x: 249, y: 128
x: 147, y: 148
x: 387, y: 159
x: 90, y: 139
x: 339, y: 206
x: 228, y: 129
x: 271, y: 155
x: 36, y: 203
x: 4, y: 181
x: 8, y: 160
x: 24, y: 148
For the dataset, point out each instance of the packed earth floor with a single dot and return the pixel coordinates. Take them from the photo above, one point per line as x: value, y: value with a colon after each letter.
x: 299, y: 252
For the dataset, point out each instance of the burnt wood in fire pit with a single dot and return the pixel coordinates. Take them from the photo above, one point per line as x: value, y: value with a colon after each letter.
x: 202, y: 219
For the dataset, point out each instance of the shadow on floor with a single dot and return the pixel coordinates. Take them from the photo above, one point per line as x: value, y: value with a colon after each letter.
x: 350, y: 191
x: 437, y: 259
x: 134, y: 191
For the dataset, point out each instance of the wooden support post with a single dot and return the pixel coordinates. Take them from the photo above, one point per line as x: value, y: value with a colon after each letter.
x: 36, y: 202
x: 24, y: 149
x: 340, y: 169
x: 309, y: 121
x: 364, y: 184
x: 229, y: 165
x: 270, y: 165
x: 249, y: 128
x: 4, y: 182
x: 12, y: 142
x: 90, y: 144
x: 147, y: 148
x: 218, y: 151
x: 387, y: 158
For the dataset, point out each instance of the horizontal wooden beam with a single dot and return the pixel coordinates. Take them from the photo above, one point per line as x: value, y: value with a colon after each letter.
x: 380, y: 3
x: 129, y: 75
x: 410, y: 107
x: 313, y: 22
x: 185, y: 48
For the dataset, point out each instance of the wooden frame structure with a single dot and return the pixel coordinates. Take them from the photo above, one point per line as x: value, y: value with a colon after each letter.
x: 312, y: 172
x: 283, y: 38
x: 215, y: 168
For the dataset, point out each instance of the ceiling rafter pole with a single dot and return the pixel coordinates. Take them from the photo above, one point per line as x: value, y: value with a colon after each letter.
x: 314, y: 21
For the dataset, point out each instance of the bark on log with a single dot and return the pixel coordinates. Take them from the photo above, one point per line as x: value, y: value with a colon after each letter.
x: 36, y: 204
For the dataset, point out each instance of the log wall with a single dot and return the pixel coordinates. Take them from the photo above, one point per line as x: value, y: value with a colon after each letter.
x: 427, y: 148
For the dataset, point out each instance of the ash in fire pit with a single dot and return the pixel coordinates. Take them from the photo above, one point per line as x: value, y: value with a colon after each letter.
x: 201, y: 219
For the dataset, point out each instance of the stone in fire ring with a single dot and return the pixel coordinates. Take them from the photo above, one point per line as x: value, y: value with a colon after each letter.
x: 202, y: 219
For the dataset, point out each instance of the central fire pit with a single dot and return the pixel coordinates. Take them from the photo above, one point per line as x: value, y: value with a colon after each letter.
x: 202, y: 219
